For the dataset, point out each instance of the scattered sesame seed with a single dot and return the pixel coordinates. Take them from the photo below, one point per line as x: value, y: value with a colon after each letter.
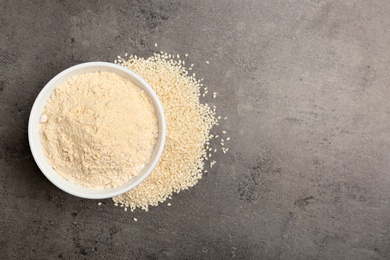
x: 227, y: 139
x: 225, y: 117
x: 135, y: 219
x: 207, y: 62
x: 99, y: 204
x: 224, y: 132
x: 155, y: 45
x: 212, y: 164
x: 125, y: 208
x: 169, y: 204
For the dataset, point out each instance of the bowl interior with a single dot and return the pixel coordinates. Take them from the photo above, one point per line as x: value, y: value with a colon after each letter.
x: 36, y: 146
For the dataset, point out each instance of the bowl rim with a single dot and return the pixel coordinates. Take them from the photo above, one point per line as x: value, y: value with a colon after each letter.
x: 37, y: 153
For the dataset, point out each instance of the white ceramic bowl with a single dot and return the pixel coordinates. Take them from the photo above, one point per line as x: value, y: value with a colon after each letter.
x: 35, y: 142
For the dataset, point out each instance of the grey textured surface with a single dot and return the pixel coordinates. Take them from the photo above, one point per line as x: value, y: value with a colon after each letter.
x: 305, y: 85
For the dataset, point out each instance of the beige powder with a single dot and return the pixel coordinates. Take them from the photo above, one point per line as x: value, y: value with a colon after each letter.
x: 98, y: 130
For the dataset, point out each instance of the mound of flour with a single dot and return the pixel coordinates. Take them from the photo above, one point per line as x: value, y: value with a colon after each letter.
x: 98, y: 130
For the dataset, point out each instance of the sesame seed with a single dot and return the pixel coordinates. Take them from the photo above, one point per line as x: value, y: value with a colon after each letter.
x: 169, y: 204
x: 212, y: 164
x: 207, y: 62
x: 155, y: 45
x: 135, y: 219
x: 178, y: 91
x: 99, y: 204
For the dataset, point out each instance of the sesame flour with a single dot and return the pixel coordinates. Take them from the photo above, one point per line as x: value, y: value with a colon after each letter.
x: 98, y: 130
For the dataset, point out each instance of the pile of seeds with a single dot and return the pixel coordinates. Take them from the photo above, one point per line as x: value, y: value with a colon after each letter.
x: 188, y: 130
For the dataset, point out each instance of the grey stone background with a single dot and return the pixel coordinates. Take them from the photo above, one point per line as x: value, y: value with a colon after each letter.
x: 305, y: 85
